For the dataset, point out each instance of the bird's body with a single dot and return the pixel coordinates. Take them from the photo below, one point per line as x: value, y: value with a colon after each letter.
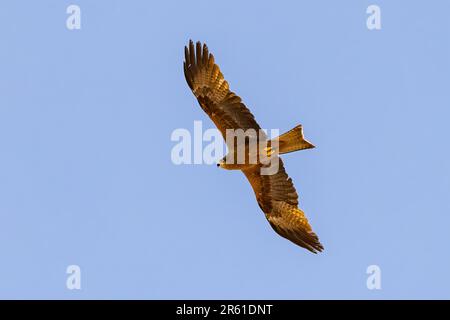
x: 274, y: 191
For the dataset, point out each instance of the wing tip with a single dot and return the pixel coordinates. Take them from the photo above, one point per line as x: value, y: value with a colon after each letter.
x: 309, y: 241
x: 315, y: 246
x: 197, y: 49
x: 304, y: 238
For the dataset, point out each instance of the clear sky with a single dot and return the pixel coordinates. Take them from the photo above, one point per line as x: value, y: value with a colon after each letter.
x: 86, y: 176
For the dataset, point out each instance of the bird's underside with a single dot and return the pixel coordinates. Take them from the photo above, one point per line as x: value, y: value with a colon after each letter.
x: 275, y: 193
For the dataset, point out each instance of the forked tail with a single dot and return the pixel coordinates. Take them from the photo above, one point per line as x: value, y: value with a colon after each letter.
x: 293, y: 140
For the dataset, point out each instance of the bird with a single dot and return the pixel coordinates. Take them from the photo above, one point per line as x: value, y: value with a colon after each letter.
x: 275, y: 193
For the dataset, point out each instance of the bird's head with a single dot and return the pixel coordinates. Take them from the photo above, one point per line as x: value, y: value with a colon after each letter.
x: 221, y: 163
x: 229, y: 163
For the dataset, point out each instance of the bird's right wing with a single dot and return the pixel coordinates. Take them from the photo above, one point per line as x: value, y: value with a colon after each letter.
x: 212, y: 91
x: 277, y: 197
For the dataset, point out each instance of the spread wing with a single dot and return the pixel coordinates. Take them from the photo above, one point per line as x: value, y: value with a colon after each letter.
x: 212, y: 91
x: 278, y: 199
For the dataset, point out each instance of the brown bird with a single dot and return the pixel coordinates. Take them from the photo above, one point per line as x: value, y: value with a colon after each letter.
x: 275, y: 193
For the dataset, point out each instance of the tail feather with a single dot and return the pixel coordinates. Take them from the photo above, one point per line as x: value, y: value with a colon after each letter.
x: 293, y: 140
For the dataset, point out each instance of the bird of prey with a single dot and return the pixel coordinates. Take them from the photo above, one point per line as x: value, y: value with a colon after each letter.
x: 275, y: 193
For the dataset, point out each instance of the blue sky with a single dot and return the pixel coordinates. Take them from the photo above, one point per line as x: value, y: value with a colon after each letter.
x: 86, y: 176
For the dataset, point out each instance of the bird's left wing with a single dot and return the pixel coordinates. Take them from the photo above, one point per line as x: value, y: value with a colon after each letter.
x: 212, y: 91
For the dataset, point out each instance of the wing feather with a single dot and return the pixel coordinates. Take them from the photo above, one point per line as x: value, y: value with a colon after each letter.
x: 277, y: 197
x: 212, y: 91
